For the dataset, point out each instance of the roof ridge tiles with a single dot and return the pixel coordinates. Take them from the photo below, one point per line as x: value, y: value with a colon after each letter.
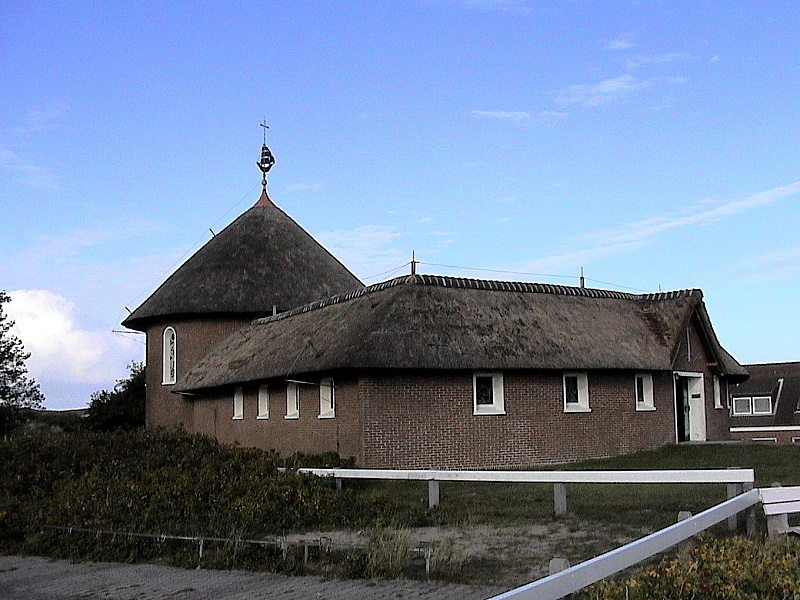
x: 482, y: 284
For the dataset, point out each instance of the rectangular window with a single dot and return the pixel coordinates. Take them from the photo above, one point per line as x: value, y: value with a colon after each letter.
x: 263, y: 402
x: 487, y: 394
x: 742, y: 406
x: 576, y: 392
x: 238, y: 403
x: 757, y: 405
x: 762, y: 405
x: 327, y: 400
x: 644, y: 392
x: 292, y: 400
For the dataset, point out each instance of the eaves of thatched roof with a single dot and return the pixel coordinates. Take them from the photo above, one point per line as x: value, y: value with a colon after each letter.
x: 262, y: 259
x: 430, y: 322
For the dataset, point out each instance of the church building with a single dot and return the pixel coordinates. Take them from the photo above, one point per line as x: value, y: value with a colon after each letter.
x: 264, y: 338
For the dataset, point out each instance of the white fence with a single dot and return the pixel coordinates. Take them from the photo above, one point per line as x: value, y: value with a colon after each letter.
x: 591, y: 571
x: 737, y: 480
x: 741, y: 496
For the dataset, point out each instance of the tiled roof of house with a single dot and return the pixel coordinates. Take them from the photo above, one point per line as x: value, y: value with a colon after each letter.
x: 262, y: 259
x: 432, y: 322
x: 780, y: 381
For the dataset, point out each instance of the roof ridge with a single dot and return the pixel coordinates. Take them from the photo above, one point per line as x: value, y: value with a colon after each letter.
x: 482, y: 284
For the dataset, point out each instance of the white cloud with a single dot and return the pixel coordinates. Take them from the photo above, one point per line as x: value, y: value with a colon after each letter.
x: 514, y: 6
x: 623, y: 42
x: 780, y: 265
x: 30, y: 175
x: 544, y: 118
x: 501, y: 115
x: 610, y: 242
x: 656, y: 59
x: 65, y: 353
x: 59, y: 345
x: 612, y: 90
x: 367, y: 250
x: 42, y: 119
x: 603, y: 92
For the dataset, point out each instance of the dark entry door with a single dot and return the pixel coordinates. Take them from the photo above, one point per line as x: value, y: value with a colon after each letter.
x: 682, y: 407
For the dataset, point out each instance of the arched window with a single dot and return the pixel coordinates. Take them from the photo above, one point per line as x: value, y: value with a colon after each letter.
x: 169, y: 360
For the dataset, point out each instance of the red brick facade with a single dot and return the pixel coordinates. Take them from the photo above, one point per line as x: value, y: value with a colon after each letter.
x: 424, y: 419
x: 194, y: 337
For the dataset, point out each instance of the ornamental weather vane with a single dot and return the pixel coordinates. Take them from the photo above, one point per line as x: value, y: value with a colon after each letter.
x: 267, y: 160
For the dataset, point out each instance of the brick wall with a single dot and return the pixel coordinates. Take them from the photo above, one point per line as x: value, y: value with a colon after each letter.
x: 213, y: 415
x: 195, y: 338
x: 414, y: 420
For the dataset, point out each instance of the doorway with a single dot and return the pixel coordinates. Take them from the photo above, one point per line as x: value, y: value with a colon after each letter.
x: 690, y: 412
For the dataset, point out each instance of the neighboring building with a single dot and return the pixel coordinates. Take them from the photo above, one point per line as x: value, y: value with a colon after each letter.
x: 766, y: 407
x: 263, y: 338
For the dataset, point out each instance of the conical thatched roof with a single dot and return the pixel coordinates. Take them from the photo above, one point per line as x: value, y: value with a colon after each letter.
x: 262, y: 259
x: 428, y: 322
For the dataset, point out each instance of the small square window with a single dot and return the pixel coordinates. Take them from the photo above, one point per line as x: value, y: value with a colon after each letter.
x: 762, y: 405
x: 742, y: 406
x: 487, y: 394
x: 292, y: 400
x: 238, y: 403
x: 327, y: 400
x: 263, y: 402
x: 576, y: 392
x: 644, y: 392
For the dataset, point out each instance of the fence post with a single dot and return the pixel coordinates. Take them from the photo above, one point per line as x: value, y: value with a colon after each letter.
x: 560, y: 498
x: 338, y: 484
x: 433, y: 493
x: 734, y: 489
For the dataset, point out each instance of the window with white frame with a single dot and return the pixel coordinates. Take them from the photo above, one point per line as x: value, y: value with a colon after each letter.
x: 263, y: 402
x: 238, y: 403
x: 576, y: 392
x: 644, y: 391
x: 327, y: 399
x: 487, y: 394
x: 717, y: 391
x: 169, y: 360
x: 292, y: 400
x: 755, y: 405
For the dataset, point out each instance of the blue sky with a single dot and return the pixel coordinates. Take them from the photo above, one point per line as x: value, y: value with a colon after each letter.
x: 653, y: 144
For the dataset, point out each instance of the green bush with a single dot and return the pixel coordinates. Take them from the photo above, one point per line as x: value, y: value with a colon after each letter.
x: 157, y: 482
x: 714, y: 569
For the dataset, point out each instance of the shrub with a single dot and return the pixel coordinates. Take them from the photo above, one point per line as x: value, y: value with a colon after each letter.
x: 714, y: 569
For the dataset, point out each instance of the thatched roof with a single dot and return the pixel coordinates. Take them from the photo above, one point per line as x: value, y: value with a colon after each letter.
x: 262, y: 259
x: 429, y: 322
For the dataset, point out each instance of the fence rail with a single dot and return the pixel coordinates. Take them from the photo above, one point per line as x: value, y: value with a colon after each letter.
x: 737, y: 480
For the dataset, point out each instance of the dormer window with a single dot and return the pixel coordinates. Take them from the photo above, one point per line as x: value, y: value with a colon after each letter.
x: 169, y: 360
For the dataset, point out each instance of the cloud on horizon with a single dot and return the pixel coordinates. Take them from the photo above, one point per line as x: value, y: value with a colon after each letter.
x: 66, y: 354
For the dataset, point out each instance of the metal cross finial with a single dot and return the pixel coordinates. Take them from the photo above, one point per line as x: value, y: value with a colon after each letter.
x: 265, y: 126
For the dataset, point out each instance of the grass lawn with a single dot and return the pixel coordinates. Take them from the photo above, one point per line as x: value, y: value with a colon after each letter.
x: 655, y: 505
